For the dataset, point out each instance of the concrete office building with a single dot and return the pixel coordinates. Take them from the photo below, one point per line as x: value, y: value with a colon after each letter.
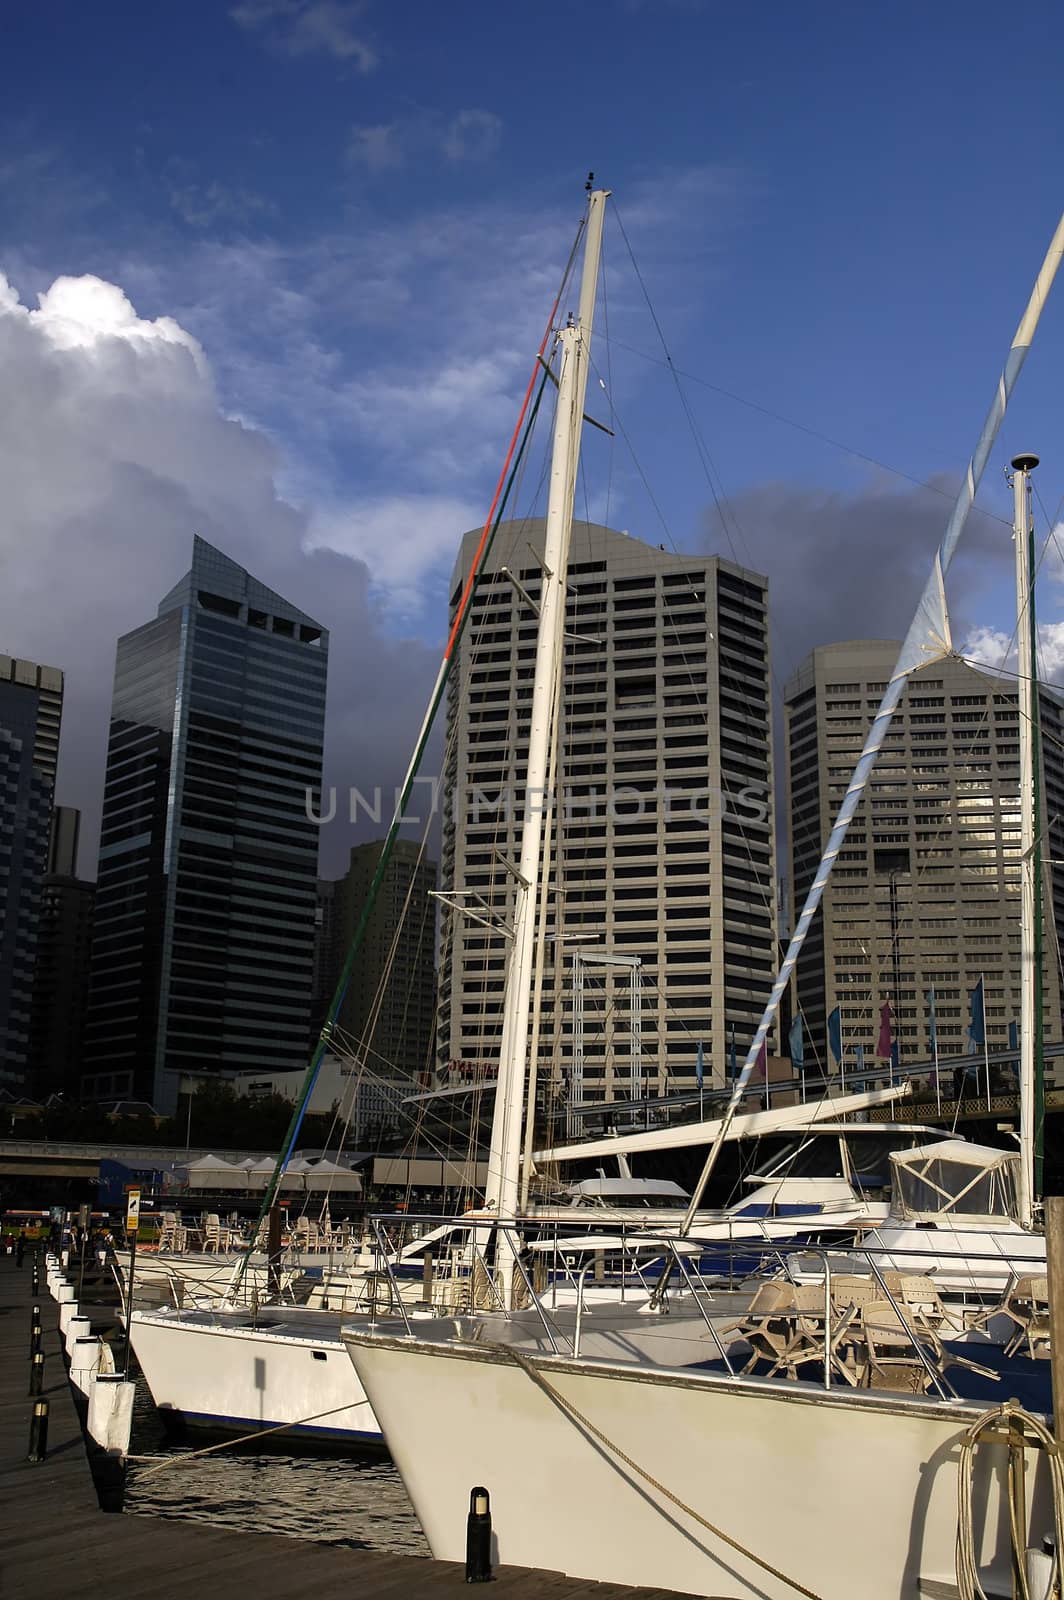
x: 31, y: 706
x: 664, y: 816
x: 203, y: 945
x: 925, y: 893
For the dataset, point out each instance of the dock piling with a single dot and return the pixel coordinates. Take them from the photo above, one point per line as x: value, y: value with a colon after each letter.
x: 478, y: 1537
x: 38, y: 1431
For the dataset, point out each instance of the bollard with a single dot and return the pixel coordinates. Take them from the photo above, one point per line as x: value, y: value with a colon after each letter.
x: 84, y: 1363
x: 67, y: 1310
x: 38, y: 1431
x: 35, y: 1339
x: 77, y: 1328
x: 37, y: 1373
x: 478, y: 1537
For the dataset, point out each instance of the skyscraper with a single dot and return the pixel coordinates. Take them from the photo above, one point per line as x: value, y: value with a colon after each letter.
x: 925, y: 893
x: 203, y: 945
x: 31, y: 704
x: 666, y: 886
x: 61, y: 973
x: 390, y: 1001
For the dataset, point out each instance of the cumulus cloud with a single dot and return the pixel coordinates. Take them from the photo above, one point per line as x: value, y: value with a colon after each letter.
x: 311, y: 27
x: 113, y: 453
x: 368, y: 533
x: 995, y: 649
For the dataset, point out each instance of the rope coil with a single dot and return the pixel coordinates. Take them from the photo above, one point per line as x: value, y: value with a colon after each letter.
x: 1010, y: 1411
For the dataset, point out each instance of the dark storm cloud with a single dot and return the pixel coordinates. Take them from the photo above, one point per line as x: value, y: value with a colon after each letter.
x: 853, y: 566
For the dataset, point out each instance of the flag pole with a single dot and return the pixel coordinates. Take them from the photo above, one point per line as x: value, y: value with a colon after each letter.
x: 986, y: 1046
x: 938, y: 1077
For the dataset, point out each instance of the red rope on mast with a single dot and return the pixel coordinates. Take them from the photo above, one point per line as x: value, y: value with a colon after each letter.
x: 468, y: 589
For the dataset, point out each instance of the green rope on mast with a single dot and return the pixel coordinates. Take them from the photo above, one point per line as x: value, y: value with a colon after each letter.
x: 325, y: 1035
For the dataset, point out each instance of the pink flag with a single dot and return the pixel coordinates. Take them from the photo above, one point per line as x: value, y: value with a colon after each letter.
x: 760, y: 1068
x: 886, y: 1042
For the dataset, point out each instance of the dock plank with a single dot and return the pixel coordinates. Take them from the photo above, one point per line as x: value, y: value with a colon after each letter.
x: 58, y: 1542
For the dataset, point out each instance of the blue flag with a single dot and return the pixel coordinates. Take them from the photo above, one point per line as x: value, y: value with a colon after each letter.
x: 733, y: 1059
x: 859, y: 1053
x: 835, y: 1034
x: 1014, y: 1036
x: 797, y: 1045
x: 700, y: 1070
x: 977, y: 1024
x: 932, y: 1022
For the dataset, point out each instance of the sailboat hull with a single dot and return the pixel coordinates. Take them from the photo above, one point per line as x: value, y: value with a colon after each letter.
x: 219, y: 1373
x: 845, y: 1493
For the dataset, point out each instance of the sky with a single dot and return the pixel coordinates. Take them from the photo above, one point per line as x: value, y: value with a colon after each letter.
x: 275, y: 271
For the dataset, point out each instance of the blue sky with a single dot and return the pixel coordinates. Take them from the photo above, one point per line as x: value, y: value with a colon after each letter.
x: 356, y: 215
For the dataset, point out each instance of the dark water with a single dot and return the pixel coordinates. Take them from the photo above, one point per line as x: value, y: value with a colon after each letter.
x: 358, y: 1501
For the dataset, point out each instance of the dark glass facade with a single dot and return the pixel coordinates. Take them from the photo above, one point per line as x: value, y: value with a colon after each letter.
x: 203, y: 947
x: 31, y: 699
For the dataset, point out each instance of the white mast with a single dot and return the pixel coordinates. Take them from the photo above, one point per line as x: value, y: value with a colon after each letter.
x: 1022, y: 467
x: 575, y: 342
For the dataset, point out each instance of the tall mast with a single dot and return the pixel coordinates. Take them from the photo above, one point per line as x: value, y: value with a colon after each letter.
x: 575, y: 343
x: 1030, y: 854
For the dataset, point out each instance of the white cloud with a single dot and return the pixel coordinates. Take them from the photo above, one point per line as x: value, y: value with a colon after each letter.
x: 311, y: 27
x: 399, y: 537
x: 113, y: 453
x: 208, y: 205
x: 993, y: 648
x: 469, y: 135
x: 472, y: 135
x: 378, y: 147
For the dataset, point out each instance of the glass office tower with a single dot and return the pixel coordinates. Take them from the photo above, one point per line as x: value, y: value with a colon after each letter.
x: 203, y: 944
x: 31, y: 705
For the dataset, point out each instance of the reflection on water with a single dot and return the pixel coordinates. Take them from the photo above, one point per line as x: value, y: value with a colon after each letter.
x: 355, y: 1501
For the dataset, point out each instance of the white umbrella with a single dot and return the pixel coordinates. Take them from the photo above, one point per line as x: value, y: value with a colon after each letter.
x: 260, y: 1173
x: 325, y: 1174
x: 211, y: 1172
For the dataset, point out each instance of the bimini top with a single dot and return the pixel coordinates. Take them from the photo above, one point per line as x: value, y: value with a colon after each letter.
x: 618, y: 1191
x: 955, y: 1179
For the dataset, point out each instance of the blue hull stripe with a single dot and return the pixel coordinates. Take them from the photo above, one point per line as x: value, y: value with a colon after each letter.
x: 205, y: 1419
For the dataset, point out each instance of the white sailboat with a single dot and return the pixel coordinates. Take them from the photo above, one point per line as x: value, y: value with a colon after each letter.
x: 629, y: 1470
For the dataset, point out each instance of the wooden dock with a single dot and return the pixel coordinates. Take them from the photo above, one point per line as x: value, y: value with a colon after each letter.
x: 57, y: 1544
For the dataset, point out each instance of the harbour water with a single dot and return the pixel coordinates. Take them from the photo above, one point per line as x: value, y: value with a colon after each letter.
x: 354, y: 1501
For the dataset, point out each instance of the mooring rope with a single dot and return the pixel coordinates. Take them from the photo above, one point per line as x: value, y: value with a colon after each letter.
x: 576, y: 1415
x: 225, y: 1444
x: 968, y: 1584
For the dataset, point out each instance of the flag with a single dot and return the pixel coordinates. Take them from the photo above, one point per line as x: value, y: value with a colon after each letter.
x: 797, y: 1045
x: 1014, y: 1036
x: 859, y: 1053
x: 835, y: 1034
x: 932, y: 1021
x: 700, y: 1071
x: 760, y: 1069
x: 885, y: 1047
x: 977, y: 1024
x: 733, y: 1059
